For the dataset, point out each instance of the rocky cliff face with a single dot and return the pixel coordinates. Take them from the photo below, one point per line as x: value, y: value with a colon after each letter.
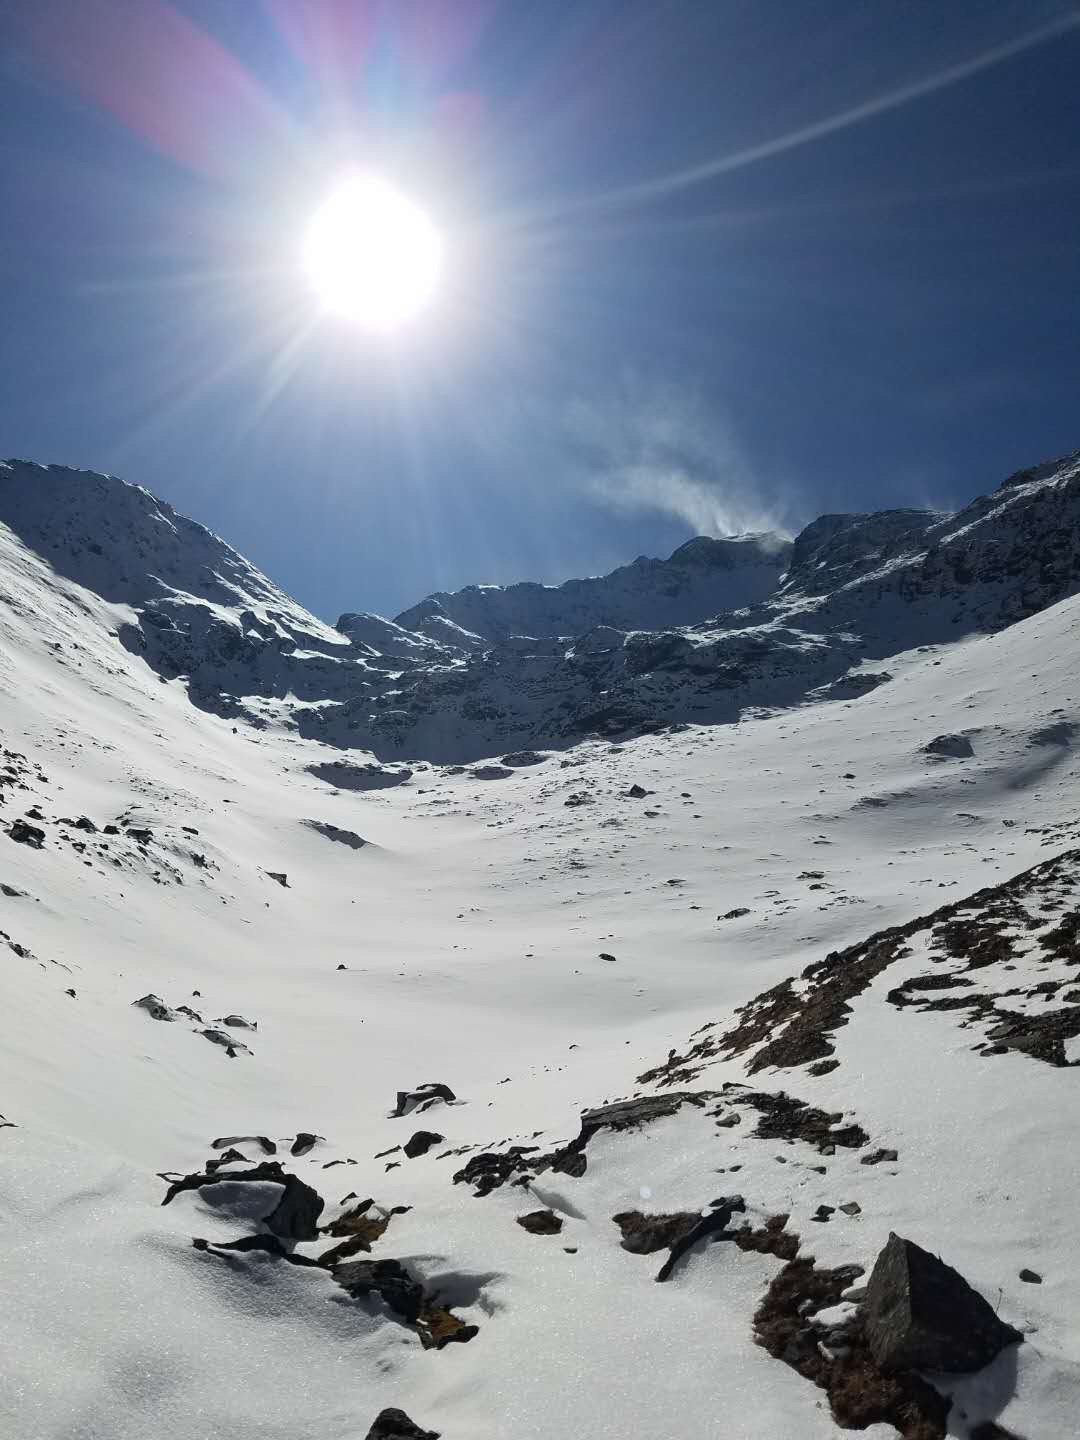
x: 721, y: 628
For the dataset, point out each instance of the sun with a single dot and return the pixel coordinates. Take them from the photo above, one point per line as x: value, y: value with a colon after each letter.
x: 373, y: 256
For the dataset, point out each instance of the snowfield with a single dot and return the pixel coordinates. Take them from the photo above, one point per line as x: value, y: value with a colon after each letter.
x: 539, y: 918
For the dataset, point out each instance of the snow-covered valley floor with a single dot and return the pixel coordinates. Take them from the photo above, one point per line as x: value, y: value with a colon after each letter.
x: 464, y: 944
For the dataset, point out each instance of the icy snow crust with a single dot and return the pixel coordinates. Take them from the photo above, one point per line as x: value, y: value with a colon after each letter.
x: 471, y: 927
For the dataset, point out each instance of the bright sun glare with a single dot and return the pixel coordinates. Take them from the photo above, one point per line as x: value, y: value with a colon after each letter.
x: 372, y: 255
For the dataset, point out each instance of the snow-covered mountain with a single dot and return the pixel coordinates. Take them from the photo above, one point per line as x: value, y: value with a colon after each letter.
x: 720, y: 629
x: 576, y: 1090
x: 702, y: 578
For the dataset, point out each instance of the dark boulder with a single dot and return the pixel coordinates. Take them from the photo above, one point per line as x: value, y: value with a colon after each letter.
x: 296, y: 1216
x: 540, y: 1222
x: 644, y: 1234
x: 396, y: 1425
x: 920, y: 1314
x: 421, y: 1142
x: 953, y: 747
x: 389, y: 1279
x: 422, y: 1098
x: 25, y: 834
x: 155, y: 1007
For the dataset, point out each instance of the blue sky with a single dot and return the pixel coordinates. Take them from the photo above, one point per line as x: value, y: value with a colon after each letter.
x: 710, y: 266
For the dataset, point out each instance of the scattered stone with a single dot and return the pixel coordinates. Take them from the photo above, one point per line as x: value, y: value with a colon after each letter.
x: 1031, y: 1277
x: 491, y: 1169
x: 332, y: 832
x: 572, y: 1163
x: 227, y: 1042
x: 735, y: 914
x: 823, y: 1212
x: 783, y: 1117
x: 395, y: 1425
x: 421, y: 1142
x: 154, y: 1007
x: 304, y: 1143
x: 24, y: 834
x: 230, y: 1157
x: 876, y: 1157
x: 490, y: 772
x: 140, y: 834
x: 296, y: 1215
x: 644, y: 1234
x: 518, y: 758
x: 269, y: 1244
x: 638, y: 792
x: 605, y: 956
x: 920, y: 1314
x: 264, y: 1142
x: 954, y: 747
x: 578, y: 798
x: 851, y: 1207
x: 237, y: 1022
x: 404, y: 1295
x: 622, y: 1114
x: 837, y: 1358
x: 823, y: 1067
x: 365, y: 1223
x: 540, y: 1222
x: 423, y: 1097
x: 265, y: 1170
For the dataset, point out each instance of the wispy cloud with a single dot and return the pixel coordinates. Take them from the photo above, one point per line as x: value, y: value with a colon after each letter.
x: 657, y: 447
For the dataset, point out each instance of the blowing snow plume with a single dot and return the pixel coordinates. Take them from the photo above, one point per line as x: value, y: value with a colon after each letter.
x: 657, y: 448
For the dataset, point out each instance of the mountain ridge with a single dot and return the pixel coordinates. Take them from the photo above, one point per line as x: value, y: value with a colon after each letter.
x: 497, y: 668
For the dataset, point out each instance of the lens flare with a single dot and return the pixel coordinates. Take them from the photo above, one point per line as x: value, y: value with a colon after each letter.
x: 373, y: 257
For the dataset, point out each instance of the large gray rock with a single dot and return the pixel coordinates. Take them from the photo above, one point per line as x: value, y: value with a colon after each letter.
x: 921, y: 1314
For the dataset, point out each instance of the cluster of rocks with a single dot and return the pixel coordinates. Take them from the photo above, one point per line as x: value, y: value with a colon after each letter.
x: 157, y: 1009
x: 291, y: 1217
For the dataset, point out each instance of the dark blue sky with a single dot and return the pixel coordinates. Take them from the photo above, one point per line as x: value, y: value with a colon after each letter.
x: 711, y: 264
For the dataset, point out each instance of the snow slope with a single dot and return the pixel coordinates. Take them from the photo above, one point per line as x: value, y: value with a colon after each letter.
x: 464, y: 944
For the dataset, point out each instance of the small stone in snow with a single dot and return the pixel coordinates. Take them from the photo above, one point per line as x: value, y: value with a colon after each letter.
x: 1031, y: 1277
